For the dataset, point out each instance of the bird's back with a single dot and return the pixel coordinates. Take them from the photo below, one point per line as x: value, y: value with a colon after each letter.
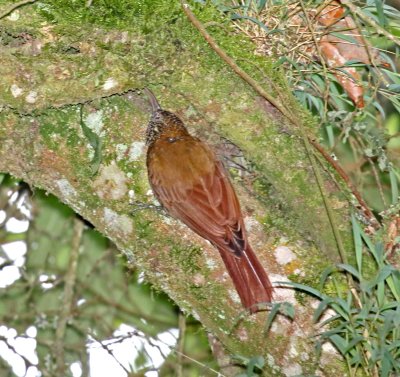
x: 179, y: 162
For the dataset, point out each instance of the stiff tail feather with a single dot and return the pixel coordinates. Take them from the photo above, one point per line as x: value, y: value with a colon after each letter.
x: 249, y: 277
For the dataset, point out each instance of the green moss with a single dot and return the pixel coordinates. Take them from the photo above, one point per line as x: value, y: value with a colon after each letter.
x: 164, y: 51
x: 187, y: 257
x: 112, y: 14
x: 57, y: 128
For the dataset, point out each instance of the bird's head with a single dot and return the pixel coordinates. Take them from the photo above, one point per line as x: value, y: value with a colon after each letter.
x: 162, y: 122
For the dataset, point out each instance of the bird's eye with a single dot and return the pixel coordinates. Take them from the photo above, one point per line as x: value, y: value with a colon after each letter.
x: 172, y: 139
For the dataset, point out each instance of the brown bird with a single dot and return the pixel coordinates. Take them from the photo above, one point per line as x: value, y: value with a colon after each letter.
x: 193, y: 186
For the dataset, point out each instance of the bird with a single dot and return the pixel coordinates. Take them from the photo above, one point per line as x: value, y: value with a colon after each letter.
x: 193, y: 186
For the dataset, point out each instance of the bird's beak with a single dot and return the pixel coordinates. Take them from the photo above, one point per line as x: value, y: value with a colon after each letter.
x: 153, y: 100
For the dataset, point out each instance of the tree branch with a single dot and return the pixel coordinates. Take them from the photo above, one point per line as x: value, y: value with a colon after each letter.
x: 65, y: 310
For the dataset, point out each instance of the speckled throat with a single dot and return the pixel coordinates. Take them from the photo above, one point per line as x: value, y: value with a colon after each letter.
x: 162, y: 123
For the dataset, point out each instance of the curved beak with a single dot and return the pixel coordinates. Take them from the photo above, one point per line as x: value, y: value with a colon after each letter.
x: 153, y: 100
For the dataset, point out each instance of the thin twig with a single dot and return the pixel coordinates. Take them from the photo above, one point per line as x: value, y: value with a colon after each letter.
x: 321, y: 57
x: 28, y: 363
x: 65, y: 311
x: 367, y: 212
x: 374, y: 171
x: 180, y: 345
x: 14, y: 7
x: 201, y: 364
x: 253, y: 83
x: 105, y: 347
x: 286, y: 112
x: 378, y: 182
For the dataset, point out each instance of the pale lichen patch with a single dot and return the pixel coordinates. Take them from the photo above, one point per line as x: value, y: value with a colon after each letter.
x: 132, y: 195
x: 111, y: 183
x: 66, y: 189
x: 16, y: 91
x: 271, y: 363
x: 234, y: 296
x: 110, y: 83
x: 329, y: 352
x: 14, y: 16
x: 283, y: 294
x: 292, y: 370
x: 117, y: 223
x: 136, y: 150
x: 284, y: 255
x: 211, y: 263
x: 199, y: 280
x: 121, y: 151
x: 251, y: 224
x: 31, y: 97
x: 243, y: 335
x: 95, y: 122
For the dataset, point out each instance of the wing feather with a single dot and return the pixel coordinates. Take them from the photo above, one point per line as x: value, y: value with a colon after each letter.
x: 208, y: 205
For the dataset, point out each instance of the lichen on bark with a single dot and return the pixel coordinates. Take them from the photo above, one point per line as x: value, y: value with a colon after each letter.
x: 76, y: 58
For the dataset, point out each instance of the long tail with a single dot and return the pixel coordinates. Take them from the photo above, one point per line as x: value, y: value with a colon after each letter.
x: 249, y: 277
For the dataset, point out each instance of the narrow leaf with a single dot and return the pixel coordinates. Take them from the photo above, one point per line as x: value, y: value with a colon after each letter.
x: 380, y: 12
x: 357, y: 242
x: 252, y: 19
x: 94, y: 141
x: 394, y: 186
x: 350, y: 269
x: 271, y: 316
x: 261, y: 5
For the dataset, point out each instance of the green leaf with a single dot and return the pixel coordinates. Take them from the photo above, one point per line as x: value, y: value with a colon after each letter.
x: 394, y: 186
x: 95, y: 142
x: 381, y: 277
x: 285, y: 308
x: 302, y: 287
x: 256, y: 362
x: 394, y: 88
x: 378, y: 106
x: 381, y: 293
x: 357, y: 242
x: 368, y: 242
x: 252, y: 19
x: 271, y: 316
x: 330, y: 319
x: 325, y: 274
x: 340, y: 343
x: 386, y: 365
x: 261, y: 5
x: 393, y: 282
x: 330, y: 134
x: 380, y: 12
x: 288, y: 310
x: 346, y: 37
x: 353, y: 343
x: 341, y: 307
x: 319, y: 81
x: 323, y: 305
x: 350, y: 269
x: 316, y: 102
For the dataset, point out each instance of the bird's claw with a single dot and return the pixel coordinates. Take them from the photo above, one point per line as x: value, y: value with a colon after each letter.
x: 140, y: 206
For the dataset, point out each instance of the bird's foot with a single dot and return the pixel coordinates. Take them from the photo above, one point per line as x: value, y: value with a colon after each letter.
x: 140, y: 206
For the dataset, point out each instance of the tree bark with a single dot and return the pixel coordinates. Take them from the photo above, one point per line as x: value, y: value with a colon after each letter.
x: 50, y: 77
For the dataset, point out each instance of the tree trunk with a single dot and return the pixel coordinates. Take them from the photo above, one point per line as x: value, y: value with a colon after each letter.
x: 73, y: 67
